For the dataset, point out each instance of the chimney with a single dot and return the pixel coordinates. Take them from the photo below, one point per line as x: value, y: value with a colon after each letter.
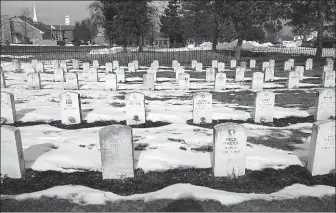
x: 67, y: 20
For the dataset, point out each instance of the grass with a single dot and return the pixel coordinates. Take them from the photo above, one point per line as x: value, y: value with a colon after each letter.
x: 46, y: 204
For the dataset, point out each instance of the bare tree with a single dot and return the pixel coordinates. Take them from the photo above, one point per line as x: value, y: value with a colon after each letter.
x: 25, y: 16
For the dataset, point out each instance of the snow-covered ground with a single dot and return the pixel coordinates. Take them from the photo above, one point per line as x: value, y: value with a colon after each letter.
x: 51, y: 148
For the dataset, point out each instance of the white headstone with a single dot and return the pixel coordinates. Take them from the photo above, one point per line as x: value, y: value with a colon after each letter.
x: 300, y: 69
x: 321, y: 158
x: 135, y: 108
x: 272, y: 63
x: 325, y: 104
x: 71, y: 112
x: 152, y: 71
x: 329, y: 79
x: 291, y: 61
x: 309, y: 64
x: 175, y: 63
x: 210, y: 75
x: 193, y: 64
x: 155, y: 64
x: 59, y: 74
x: 93, y: 75
x: 257, y: 81
x: 269, y: 73
x: 108, y: 67
x: 71, y: 81
x: 330, y: 62
x: 229, y: 150
x: 86, y: 67
x: 3, y: 80
x: 214, y: 64
x: 95, y: 64
x: 293, y: 80
x: 8, y: 112
x: 202, y: 108
x: 199, y: 67
x: 29, y: 70
x: 111, y: 81
x: 148, y: 81
x: 287, y: 66
x: 131, y: 67
x: 39, y: 67
x: 220, y: 82
x: 184, y: 81
x: 178, y: 71
x: 264, y: 65
x: 252, y: 63
x: 34, y: 80
x: 117, y: 155
x: 136, y: 64
x: 240, y: 73
x: 233, y: 64
x: 12, y: 160
x: 221, y: 67
x: 264, y: 107
x: 115, y: 64
x: 120, y: 72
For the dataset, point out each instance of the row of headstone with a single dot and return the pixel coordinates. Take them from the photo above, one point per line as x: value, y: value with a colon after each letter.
x: 228, y: 158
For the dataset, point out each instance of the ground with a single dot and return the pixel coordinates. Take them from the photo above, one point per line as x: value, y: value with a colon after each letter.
x: 172, y: 155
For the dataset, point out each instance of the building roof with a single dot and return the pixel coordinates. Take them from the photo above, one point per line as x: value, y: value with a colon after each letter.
x: 32, y: 25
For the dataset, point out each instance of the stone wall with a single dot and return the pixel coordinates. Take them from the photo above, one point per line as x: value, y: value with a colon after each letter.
x: 19, y: 27
x: 5, y: 30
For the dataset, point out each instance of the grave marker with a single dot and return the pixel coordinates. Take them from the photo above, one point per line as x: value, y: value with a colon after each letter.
x: 329, y: 79
x: 221, y: 67
x: 300, y: 69
x: 71, y: 81
x: 108, y: 67
x: 229, y: 150
x: 148, y: 81
x: 291, y: 61
x: 210, y: 75
x: 120, y: 72
x: 155, y: 64
x: 55, y: 64
x: 264, y: 107
x: 309, y: 64
x: 115, y: 64
x: 34, y: 80
x: 93, y: 75
x: 3, y: 80
x: 202, y: 108
x: 95, y: 64
x: 131, y: 67
x: 86, y: 67
x: 111, y: 81
x: 325, y: 104
x: 75, y: 64
x: 136, y: 64
x: 178, y: 71
x: 252, y: 63
x: 175, y: 63
x: 220, y: 82
x: 265, y: 64
x: 287, y: 66
x: 293, y: 80
x: 184, y: 81
x: 8, y: 112
x: 199, y: 67
x: 33, y: 63
x: 321, y: 158
x: 214, y: 64
x: 269, y: 73
x: 233, y: 63
x: 135, y: 108
x: 152, y: 71
x: 12, y: 160
x: 59, y: 74
x: 16, y: 65
x: 71, y: 112
x: 257, y: 81
x: 39, y: 67
x: 240, y: 73
x: 272, y: 63
x: 64, y: 65
x: 117, y: 155
x: 243, y: 64
x: 193, y: 64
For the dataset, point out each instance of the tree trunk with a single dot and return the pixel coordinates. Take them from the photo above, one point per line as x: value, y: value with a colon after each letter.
x: 238, y: 48
x: 140, y: 43
x: 215, y: 34
x: 319, y: 30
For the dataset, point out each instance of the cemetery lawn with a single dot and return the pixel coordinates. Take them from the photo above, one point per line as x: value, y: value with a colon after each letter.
x: 168, y: 150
